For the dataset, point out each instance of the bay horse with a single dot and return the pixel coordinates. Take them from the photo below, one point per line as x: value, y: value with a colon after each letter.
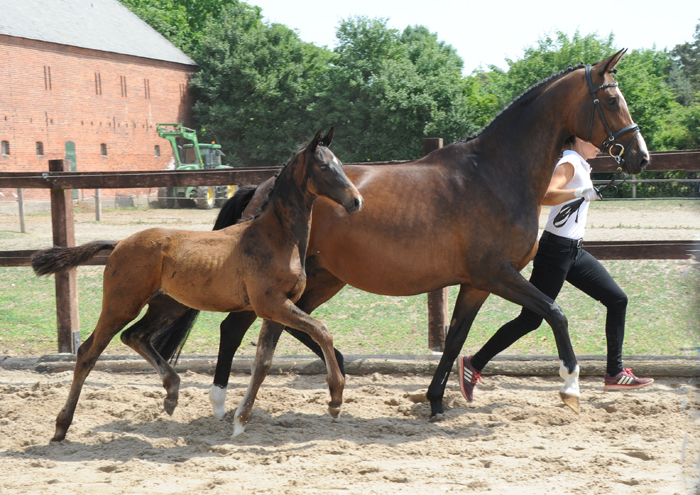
x: 466, y: 215
x: 256, y: 266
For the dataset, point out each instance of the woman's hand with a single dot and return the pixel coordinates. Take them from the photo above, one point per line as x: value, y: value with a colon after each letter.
x: 587, y: 193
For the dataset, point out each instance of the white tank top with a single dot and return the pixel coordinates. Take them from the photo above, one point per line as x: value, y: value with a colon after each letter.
x: 575, y: 225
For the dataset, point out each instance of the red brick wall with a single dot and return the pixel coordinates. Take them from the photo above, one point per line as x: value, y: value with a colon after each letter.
x: 49, y: 94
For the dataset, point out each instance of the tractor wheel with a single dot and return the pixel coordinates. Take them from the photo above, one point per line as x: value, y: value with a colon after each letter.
x: 165, y: 197
x: 205, y: 197
x: 224, y: 193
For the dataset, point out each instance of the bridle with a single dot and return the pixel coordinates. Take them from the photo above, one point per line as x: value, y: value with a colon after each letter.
x: 609, y: 144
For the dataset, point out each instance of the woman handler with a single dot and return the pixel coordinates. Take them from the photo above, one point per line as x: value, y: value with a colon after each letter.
x: 561, y: 257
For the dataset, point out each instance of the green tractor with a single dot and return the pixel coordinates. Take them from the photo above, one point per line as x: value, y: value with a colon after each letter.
x: 190, y: 155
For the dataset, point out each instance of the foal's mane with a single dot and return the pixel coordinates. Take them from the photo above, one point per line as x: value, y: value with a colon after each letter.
x: 527, y: 97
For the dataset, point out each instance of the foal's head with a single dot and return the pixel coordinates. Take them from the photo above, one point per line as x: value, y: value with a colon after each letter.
x: 324, y: 175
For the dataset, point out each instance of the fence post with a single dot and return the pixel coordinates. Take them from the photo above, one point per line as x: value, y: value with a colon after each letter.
x: 98, y: 205
x: 437, y: 299
x: 20, y: 202
x: 67, y: 282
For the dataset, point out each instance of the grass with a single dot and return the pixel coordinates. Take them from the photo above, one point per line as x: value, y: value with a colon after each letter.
x: 662, y: 318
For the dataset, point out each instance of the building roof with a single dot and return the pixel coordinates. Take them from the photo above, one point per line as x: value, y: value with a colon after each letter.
x: 104, y: 25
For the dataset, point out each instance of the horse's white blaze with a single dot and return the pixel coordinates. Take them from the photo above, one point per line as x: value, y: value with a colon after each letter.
x: 217, y: 397
x: 571, y: 379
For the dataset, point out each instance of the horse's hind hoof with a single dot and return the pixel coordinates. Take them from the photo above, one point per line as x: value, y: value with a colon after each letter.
x: 334, y: 411
x: 571, y: 401
x: 169, y: 406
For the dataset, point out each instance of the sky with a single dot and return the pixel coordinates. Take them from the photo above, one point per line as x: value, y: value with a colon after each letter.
x: 489, y: 31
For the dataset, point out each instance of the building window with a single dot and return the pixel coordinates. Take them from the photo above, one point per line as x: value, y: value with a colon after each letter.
x: 122, y: 84
x: 5, y: 145
x: 103, y: 149
x: 39, y: 148
x: 183, y: 90
x: 157, y: 150
x: 47, y: 78
x: 98, y: 84
x: 147, y: 89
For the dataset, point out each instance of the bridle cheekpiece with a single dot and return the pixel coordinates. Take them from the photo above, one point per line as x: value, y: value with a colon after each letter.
x: 609, y: 144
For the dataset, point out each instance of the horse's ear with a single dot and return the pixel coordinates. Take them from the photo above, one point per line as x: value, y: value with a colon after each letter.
x: 609, y: 63
x: 326, y: 141
x: 314, y: 142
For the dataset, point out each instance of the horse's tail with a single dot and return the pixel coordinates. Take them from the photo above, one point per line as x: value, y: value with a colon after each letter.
x: 169, y: 340
x: 232, y: 210
x: 59, y: 259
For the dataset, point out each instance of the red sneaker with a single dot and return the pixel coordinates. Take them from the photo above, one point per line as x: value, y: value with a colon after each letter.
x: 625, y: 380
x: 468, y: 376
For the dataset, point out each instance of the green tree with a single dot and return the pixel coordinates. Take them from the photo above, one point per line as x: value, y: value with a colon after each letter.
x: 256, y: 87
x: 388, y: 89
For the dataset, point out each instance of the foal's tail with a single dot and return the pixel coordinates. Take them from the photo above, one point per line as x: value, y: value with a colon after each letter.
x: 59, y: 259
x: 169, y: 341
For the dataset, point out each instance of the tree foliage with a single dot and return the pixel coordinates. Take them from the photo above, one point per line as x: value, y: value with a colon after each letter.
x: 262, y: 92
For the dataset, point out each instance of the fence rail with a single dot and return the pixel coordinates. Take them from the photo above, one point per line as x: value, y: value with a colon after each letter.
x: 60, y: 181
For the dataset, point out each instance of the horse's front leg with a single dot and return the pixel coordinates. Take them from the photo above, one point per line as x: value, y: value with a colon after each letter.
x: 468, y: 303
x: 232, y: 330
x: 511, y: 285
x: 267, y: 342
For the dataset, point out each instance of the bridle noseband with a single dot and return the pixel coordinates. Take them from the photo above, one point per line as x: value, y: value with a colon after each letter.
x: 609, y: 144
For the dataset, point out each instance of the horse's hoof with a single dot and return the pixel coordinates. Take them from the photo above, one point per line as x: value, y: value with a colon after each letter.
x: 333, y: 411
x: 571, y: 401
x: 238, y: 428
x: 169, y: 406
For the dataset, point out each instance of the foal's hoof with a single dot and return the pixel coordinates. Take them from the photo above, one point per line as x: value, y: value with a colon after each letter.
x: 169, y: 406
x: 570, y: 400
x: 333, y: 411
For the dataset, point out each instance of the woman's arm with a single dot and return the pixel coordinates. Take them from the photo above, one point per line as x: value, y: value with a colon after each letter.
x: 556, y: 194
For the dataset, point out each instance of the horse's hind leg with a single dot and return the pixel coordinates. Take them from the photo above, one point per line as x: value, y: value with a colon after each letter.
x: 468, y: 303
x: 232, y: 331
x: 85, y: 360
x: 162, y: 310
x: 267, y: 341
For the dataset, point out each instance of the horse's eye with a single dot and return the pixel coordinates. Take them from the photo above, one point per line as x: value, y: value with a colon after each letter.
x: 612, y: 101
x: 324, y: 167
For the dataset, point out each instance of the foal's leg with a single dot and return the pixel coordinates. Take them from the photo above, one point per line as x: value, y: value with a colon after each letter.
x: 468, y: 304
x: 107, y: 327
x: 267, y: 342
x: 162, y: 311
x: 289, y: 314
x: 511, y: 285
x: 321, y: 285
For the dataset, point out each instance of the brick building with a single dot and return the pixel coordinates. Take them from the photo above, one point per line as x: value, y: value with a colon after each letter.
x: 87, y: 80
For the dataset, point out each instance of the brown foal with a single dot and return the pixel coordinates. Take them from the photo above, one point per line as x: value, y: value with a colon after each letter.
x: 257, y: 265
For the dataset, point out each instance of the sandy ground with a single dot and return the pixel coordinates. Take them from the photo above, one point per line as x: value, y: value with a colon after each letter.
x: 516, y: 438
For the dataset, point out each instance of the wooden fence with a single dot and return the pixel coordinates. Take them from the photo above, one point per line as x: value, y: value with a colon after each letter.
x: 61, y: 181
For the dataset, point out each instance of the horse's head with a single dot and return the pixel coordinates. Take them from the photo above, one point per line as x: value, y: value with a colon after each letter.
x: 325, y: 175
x: 607, y: 122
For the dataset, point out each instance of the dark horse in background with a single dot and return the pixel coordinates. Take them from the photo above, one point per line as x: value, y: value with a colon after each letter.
x: 465, y: 215
x: 256, y: 267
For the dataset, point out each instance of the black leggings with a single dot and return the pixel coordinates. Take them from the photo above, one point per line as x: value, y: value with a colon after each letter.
x: 554, y: 264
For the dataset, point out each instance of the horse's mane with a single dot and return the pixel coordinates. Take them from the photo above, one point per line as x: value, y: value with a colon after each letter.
x: 527, y: 97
